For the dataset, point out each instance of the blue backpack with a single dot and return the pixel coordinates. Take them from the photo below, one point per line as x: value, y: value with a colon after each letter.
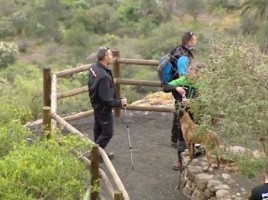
x: 166, y: 71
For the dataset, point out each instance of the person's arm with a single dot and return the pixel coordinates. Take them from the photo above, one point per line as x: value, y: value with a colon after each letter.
x: 169, y: 88
x: 106, y: 93
x: 182, y: 65
x: 182, y: 81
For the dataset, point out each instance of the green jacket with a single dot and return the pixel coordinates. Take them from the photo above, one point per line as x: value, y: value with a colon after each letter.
x: 183, y: 81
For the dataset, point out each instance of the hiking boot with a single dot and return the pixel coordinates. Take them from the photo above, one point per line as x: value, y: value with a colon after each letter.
x: 110, y: 156
x: 173, y: 144
x: 177, y: 165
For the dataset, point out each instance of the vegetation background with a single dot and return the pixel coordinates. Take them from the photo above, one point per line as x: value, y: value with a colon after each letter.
x: 61, y: 34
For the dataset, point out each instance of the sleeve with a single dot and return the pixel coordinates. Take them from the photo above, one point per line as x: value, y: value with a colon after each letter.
x: 106, y: 93
x: 179, y: 81
x: 253, y: 194
x: 182, y: 65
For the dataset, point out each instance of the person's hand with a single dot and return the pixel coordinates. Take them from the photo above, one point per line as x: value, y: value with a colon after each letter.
x: 124, y: 102
x: 181, y: 91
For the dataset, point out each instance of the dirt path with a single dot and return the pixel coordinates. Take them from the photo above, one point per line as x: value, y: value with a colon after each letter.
x: 153, y: 177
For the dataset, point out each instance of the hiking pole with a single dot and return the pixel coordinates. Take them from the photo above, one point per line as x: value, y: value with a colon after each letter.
x: 129, y: 141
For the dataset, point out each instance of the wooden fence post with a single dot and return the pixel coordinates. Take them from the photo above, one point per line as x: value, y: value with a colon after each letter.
x: 118, y: 195
x: 46, y: 87
x: 94, y: 169
x: 47, y: 121
x: 116, y: 75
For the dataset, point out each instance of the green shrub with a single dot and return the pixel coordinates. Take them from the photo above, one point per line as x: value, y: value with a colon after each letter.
x: 12, y: 134
x: 43, y: 170
x: 235, y: 83
x: 250, y: 167
x: 6, y: 27
x: 23, y: 88
x: 8, y: 54
x: 9, y: 112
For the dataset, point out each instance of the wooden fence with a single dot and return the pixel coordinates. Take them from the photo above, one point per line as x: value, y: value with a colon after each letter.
x: 50, y: 117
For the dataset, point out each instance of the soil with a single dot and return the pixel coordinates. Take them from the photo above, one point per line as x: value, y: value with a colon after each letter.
x: 152, y: 177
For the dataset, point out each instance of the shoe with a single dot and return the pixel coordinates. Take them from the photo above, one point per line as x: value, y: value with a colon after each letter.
x: 177, y: 165
x: 110, y: 156
x: 173, y: 144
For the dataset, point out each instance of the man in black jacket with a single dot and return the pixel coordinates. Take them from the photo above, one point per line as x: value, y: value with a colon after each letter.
x: 102, y: 97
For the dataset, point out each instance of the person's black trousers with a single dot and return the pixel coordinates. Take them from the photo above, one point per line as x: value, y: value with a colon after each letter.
x: 103, y: 127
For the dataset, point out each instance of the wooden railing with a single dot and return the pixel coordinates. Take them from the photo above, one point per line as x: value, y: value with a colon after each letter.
x: 50, y: 117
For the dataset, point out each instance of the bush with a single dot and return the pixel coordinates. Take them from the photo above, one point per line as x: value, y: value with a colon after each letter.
x: 8, y: 54
x: 11, y: 136
x: 235, y: 81
x: 43, y: 170
x: 23, y: 88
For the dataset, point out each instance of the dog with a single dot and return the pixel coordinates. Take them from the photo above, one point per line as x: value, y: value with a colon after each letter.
x: 210, y: 140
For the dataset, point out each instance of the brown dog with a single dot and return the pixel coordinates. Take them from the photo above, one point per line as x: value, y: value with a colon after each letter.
x: 210, y: 140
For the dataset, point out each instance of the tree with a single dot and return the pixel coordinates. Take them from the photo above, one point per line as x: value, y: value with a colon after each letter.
x: 194, y: 7
x: 8, y: 54
x: 257, y: 8
x: 236, y: 83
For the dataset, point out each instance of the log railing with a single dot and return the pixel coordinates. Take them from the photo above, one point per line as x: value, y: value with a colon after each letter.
x: 51, y: 97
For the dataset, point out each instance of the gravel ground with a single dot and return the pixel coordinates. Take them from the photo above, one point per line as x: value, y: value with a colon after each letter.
x: 152, y: 177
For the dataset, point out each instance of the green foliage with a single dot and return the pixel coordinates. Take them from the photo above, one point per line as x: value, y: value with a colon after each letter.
x: 8, y: 54
x: 19, y: 20
x: 29, y: 171
x: 9, y: 112
x: 22, y: 88
x: 6, y: 27
x: 235, y: 83
x: 257, y: 8
x: 131, y: 93
x: 128, y: 12
x: 262, y: 36
x: 12, y: 135
x: 194, y: 7
x: 146, y: 74
x: 248, y: 166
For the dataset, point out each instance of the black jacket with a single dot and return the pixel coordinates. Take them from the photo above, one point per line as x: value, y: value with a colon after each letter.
x: 101, y: 88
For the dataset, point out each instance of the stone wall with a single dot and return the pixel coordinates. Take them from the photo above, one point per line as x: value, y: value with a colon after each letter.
x: 216, y: 184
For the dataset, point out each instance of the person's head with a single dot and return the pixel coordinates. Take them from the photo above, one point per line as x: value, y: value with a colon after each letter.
x: 189, y: 40
x: 104, y: 55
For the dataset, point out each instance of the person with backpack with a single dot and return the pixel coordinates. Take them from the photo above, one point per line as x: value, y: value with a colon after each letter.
x: 102, y: 97
x: 181, y: 58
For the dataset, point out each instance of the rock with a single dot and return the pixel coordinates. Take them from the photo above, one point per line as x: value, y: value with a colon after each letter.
x: 201, y: 181
x: 192, y: 171
x: 222, y: 187
x: 223, y: 195
x: 226, y: 176
x: 208, y: 194
x: 212, y: 185
x: 197, y: 195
